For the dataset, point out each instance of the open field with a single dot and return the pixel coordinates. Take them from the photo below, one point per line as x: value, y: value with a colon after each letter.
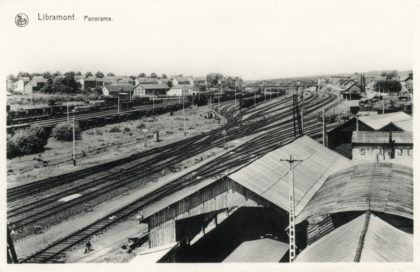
x: 107, y: 143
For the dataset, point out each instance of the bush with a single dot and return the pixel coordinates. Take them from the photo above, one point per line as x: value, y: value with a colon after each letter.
x: 127, y: 129
x: 25, y: 142
x: 64, y: 131
x: 115, y: 129
x: 141, y: 126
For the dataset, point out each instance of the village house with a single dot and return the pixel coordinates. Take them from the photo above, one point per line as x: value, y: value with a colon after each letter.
x: 112, y: 90
x: 147, y: 80
x: 181, y: 90
x: 151, y: 90
x: 182, y: 81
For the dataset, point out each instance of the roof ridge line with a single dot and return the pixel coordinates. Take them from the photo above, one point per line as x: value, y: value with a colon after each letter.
x: 362, y: 237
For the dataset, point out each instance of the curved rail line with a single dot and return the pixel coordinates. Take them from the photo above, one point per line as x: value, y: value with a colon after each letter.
x: 270, y: 140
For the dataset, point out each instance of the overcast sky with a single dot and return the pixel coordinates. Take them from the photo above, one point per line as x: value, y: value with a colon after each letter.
x: 252, y: 39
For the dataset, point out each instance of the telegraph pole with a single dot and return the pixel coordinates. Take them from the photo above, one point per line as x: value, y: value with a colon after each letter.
x: 74, y: 140
x: 183, y: 113
x: 68, y: 117
x: 292, y: 233
x: 324, y: 142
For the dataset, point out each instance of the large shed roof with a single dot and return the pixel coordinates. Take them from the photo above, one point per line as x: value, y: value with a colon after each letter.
x: 381, y: 187
x: 268, y: 176
x: 376, y: 241
x: 381, y: 120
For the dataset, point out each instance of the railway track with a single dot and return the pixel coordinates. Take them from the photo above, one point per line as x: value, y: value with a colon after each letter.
x: 23, y: 215
x: 257, y: 147
x: 28, y: 213
x: 106, y: 113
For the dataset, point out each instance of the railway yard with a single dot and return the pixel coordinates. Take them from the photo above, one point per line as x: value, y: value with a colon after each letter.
x: 102, y: 198
x: 191, y: 134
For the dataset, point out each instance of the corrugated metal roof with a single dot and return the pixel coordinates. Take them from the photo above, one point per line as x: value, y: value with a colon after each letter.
x: 381, y: 137
x: 385, y: 243
x: 379, y: 121
x: 381, y: 187
x: 261, y: 250
x: 339, y: 245
x: 268, y: 177
x: 381, y: 243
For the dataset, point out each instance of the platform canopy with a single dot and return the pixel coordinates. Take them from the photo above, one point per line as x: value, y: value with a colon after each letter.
x: 268, y: 176
x: 380, y: 187
x: 366, y: 238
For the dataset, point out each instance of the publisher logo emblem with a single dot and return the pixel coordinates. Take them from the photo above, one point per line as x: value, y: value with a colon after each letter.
x: 21, y: 20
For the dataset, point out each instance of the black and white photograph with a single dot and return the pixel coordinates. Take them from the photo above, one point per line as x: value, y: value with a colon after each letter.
x: 259, y: 133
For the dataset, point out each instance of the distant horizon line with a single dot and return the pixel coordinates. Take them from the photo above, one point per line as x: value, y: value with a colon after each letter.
x: 185, y: 75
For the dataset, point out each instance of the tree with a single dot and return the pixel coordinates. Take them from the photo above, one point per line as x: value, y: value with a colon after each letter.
x: 88, y: 74
x: 99, y: 74
x: 47, y: 75
x: 69, y: 81
x: 11, y: 77
x: 56, y: 74
x: 213, y: 79
x: 164, y: 76
x: 142, y: 75
x: 110, y: 74
x: 78, y: 73
x: 27, y: 141
x: 64, y: 131
x: 153, y: 75
x: 389, y: 74
x: 23, y: 74
x: 392, y: 86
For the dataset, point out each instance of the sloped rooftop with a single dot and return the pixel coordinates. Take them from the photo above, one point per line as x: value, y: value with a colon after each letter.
x: 367, y: 235
x: 381, y: 187
x: 400, y: 119
x: 268, y: 176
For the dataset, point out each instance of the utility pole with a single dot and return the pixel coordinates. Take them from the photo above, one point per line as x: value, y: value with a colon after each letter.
x: 324, y: 142
x: 74, y: 140
x: 383, y: 105
x: 183, y: 113
x: 153, y: 101
x: 292, y: 233
x: 236, y: 86
x: 118, y: 102
x: 68, y: 117
x: 357, y: 122
x: 11, y: 253
x: 218, y: 105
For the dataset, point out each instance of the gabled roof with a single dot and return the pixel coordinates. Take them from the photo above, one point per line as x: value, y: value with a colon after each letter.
x: 183, y: 80
x: 381, y: 137
x: 381, y: 187
x: 114, y: 88
x: 154, y: 86
x: 268, y: 176
x: 381, y: 120
x: 147, y: 80
x: 367, y: 235
x: 125, y: 80
x: 39, y: 79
